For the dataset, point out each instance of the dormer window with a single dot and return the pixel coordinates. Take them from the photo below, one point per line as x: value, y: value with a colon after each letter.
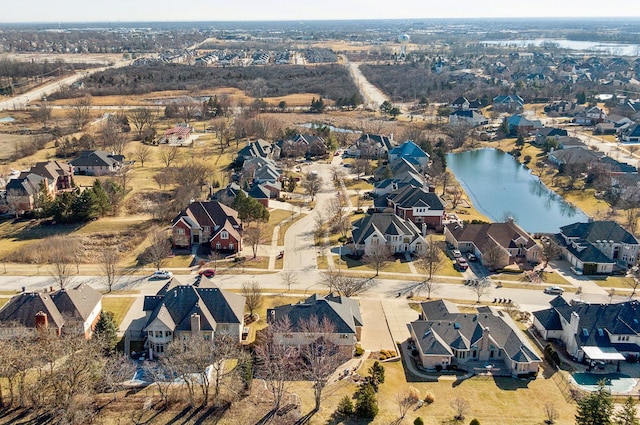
x: 224, y: 235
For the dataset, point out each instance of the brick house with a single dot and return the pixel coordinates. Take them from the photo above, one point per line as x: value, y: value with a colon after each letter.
x: 54, y: 177
x: 209, y: 222
x: 418, y: 206
x: 70, y: 310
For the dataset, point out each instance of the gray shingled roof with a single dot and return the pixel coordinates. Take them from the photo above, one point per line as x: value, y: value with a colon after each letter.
x: 174, y: 305
x: 386, y: 224
x: 599, y: 231
x: 409, y: 197
x: 343, y: 313
x: 78, y: 302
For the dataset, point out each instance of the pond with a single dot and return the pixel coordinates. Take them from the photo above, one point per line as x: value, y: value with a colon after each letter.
x: 501, y: 187
x: 616, y: 49
x: 332, y: 128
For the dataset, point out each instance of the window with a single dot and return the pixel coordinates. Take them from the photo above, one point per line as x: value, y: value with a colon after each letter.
x: 168, y: 333
x: 230, y: 245
x: 158, y: 334
x: 160, y: 348
x: 207, y: 229
x: 218, y: 246
x: 150, y: 335
x: 180, y: 231
x: 224, y: 235
x: 344, y: 336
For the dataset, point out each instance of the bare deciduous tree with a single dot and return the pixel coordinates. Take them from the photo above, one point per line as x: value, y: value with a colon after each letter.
x: 142, y: 153
x: 81, y: 111
x: 141, y: 119
x: 550, y: 251
x: 109, y: 266
x: 254, y: 236
x: 312, y: 184
x: 346, y: 286
x: 550, y: 413
x: 253, y: 295
x: 481, y: 288
x: 289, y: 278
x: 405, y: 399
x: 431, y: 258
x: 60, y: 260
x: 168, y: 155
x: 159, y: 248
x: 460, y: 406
x: 321, y: 357
x: 378, y: 256
x: 275, y: 360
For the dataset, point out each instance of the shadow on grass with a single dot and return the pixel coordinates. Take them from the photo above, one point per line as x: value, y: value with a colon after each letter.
x: 25, y: 230
x: 511, y: 384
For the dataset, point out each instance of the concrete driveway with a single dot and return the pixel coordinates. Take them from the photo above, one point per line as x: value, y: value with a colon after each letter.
x: 385, y: 322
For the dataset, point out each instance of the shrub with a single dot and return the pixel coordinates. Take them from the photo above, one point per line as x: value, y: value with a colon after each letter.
x: 429, y: 398
x: 418, y: 421
x: 393, y: 354
x: 438, y: 368
x: 359, y: 350
x: 345, y: 407
x: 382, y: 357
x: 551, y: 356
x: 474, y: 422
x: 366, y: 402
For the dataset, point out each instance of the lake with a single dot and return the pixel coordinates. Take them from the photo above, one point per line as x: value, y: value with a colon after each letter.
x: 499, y: 187
x: 608, y: 48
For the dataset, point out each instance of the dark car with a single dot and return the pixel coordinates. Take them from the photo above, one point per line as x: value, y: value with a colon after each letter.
x: 207, y: 273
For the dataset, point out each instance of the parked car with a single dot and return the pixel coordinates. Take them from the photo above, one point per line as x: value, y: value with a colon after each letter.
x: 462, y: 264
x: 207, y: 273
x: 162, y: 274
x: 471, y: 256
x: 553, y: 290
x: 456, y: 253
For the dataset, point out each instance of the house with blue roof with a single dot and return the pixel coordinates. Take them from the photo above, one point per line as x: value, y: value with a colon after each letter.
x: 592, y: 332
x: 446, y: 338
x: 509, y: 103
x: 598, y: 247
x: 631, y: 134
x: 411, y: 152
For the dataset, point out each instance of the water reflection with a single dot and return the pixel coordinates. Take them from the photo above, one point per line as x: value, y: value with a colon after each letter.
x: 496, y: 182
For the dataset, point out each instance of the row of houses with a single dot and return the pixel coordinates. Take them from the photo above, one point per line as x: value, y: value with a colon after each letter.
x: 54, y: 177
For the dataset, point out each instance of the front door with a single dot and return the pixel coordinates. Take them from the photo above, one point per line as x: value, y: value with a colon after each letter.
x: 196, y: 238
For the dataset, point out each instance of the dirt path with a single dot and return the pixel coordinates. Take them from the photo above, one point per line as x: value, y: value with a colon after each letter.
x: 372, y: 95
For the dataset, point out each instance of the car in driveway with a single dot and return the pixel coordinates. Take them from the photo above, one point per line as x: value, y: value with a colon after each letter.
x: 471, y: 256
x: 456, y: 253
x: 462, y: 264
x: 161, y: 274
x: 553, y: 290
x: 207, y: 273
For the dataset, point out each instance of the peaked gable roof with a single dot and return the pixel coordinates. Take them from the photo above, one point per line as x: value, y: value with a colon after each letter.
x: 96, y: 159
x: 342, y: 312
x: 208, y: 213
x: 174, y: 305
x: 409, y: 197
x: 599, y: 231
x: 385, y: 224
x: 487, y: 235
x: 409, y: 149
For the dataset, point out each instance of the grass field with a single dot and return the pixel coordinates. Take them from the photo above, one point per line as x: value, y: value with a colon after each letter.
x: 119, y: 306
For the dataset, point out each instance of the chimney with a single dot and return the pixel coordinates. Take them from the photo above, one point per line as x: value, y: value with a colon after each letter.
x: 195, y: 323
x: 424, y: 229
x: 432, y: 188
x: 42, y: 321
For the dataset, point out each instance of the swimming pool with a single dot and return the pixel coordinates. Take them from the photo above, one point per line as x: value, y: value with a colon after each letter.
x: 615, y: 382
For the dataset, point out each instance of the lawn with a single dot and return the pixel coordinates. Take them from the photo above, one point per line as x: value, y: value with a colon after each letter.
x: 119, y: 306
x: 613, y: 282
x: 396, y: 265
x: 285, y: 226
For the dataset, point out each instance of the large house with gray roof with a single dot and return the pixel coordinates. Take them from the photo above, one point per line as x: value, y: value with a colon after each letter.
x: 23, y: 192
x: 496, y: 245
x: 371, y: 146
x: 209, y: 222
x: 97, y: 163
x: 69, y: 310
x: 489, y: 339
x: 418, y: 205
x: 410, y: 152
x: 598, y: 247
x: 398, y: 234
x: 592, y: 332
x: 179, y: 310
x: 305, y: 321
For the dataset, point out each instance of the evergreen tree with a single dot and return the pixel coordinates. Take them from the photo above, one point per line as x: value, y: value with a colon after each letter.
x: 345, y: 407
x: 520, y: 141
x: 595, y: 408
x: 366, y: 402
x: 106, y: 331
x: 627, y: 414
x: 249, y: 209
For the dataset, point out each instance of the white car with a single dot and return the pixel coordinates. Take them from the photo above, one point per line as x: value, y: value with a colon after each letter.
x: 553, y: 290
x: 162, y: 274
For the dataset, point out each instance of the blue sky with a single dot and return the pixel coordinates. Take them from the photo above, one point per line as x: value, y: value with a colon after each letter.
x: 226, y: 10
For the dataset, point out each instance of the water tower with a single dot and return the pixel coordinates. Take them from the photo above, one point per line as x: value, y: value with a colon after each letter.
x: 403, y: 39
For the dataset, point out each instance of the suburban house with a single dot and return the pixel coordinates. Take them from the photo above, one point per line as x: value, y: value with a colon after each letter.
x: 54, y: 177
x: 477, y: 342
x: 398, y: 234
x: 179, y: 135
x: 417, y: 205
x: 303, y: 145
x: 259, y: 148
x: 591, y: 116
x: 370, y: 146
x: 209, y: 222
x: 592, y: 332
x: 261, y: 170
x: 508, y: 103
x: 598, y: 246
x: 568, y: 142
x: 180, y: 310
x: 341, y: 313
x: 496, y: 245
x: 461, y: 103
x: 471, y: 117
x: 411, y: 152
x: 519, y: 125
x: 574, y: 156
x: 97, y: 163
x: 545, y: 133
x: 631, y: 134
x: 70, y: 310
